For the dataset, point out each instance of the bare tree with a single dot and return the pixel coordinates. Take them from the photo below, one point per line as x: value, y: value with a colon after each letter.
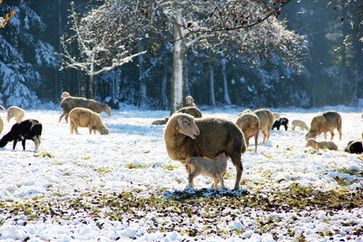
x: 93, y: 55
x: 250, y: 25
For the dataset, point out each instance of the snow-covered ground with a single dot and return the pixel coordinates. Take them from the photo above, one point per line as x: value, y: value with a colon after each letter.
x: 123, y: 186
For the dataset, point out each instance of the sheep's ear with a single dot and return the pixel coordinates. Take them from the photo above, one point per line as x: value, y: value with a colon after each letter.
x: 183, y: 122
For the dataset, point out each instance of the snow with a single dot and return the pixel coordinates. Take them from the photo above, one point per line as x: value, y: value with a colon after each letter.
x: 133, y: 158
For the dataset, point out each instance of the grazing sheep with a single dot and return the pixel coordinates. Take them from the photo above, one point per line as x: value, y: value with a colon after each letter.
x: 1, y: 125
x: 83, y: 117
x: 299, y: 123
x: 322, y: 145
x: 249, y: 123
x: 189, y: 102
x: 64, y: 95
x: 281, y: 121
x: 69, y: 103
x: 214, y: 168
x: 266, y: 120
x: 28, y: 129
x: 160, y: 121
x: 194, y: 111
x: 327, y: 121
x: 186, y: 136
x: 276, y: 116
x: 15, y: 112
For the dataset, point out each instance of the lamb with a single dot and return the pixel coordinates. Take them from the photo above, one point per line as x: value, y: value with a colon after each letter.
x: 299, y: 123
x: 249, y: 123
x: 214, y: 168
x: 281, y: 121
x: 186, y: 136
x: 83, y: 117
x: 15, y: 112
x: 28, y: 129
x: 69, y: 103
x: 327, y: 121
x: 266, y: 120
x: 194, y: 111
x: 323, y: 144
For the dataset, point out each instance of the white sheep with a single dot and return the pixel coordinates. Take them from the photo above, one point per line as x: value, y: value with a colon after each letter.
x: 299, y: 123
x: 15, y: 112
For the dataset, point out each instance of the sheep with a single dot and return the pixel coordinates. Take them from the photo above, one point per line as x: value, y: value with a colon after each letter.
x: 276, y: 116
x: 28, y: 129
x: 281, y: 121
x: 15, y: 112
x: 186, y: 136
x: 160, y: 121
x: 189, y: 102
x: 214, y: 168
x: 299, y: 123
x: 69, y: 103
x: 194, y: 111
x: 1, y: 125
x: 266, y: 120
x: 83, y: 117
x: 249, y: 123
x: 355, y: 146
x: 327, y: 121
x: 323, y: 144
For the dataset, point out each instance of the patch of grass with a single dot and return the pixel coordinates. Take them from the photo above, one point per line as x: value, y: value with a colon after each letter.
x: 103, y: 170
x: 43, y: 154
x: 351, y: 172
x: 170, y: 167
x: 136, y: 166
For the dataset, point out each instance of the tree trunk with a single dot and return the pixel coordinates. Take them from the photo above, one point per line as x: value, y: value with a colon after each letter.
x: 177, y: 84
x: 227, y: 100
x: 211, y: 82
x: 142, y: 79
x: 89, y: 93
x: 163, y: 89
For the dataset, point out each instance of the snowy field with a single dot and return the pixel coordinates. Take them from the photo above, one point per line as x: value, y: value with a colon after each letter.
x: 124, y: 186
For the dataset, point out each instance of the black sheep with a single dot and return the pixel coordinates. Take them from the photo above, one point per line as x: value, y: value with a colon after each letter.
x: 28, y: 129
x: 354, y: 147
x: 279, y: 122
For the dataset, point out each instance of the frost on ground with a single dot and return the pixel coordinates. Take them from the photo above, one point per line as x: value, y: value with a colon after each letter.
x: 124, y: 186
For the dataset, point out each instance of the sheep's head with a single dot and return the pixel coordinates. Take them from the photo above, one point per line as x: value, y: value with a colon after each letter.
x: 107, y: 110
x: 245, y: 111
x: 65, y: 94
x: 310, y: 135
x: 189, y: 101
x: 104, y: 131
x: 311, y: 142
x: 187, y: 126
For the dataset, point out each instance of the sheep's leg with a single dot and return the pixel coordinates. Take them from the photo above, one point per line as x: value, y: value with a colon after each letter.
x: 340, y: 133
x: 285, y: 127
x: 23, y: 144
x: 331, y: 135
x: 36, y: 142
x: 236, y: 160
x: 256, y: 141
x: 90, y: 129
x: 66, y: 117
x: 293, y: 128
x: 14, y: 144
x: 264, y: 134
x: 71, y: 126
x: 221, y: 181
x: 215, y: 182
x: 60, y: 117
x: 191, y: 177
x: 324, y: 135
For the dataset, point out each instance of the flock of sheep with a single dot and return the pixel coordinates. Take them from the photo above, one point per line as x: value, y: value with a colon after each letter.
x: 203, y: 145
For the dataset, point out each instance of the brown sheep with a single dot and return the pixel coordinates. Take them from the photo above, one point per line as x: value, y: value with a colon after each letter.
x: 249, y: 123
x: 194, y: 111
x: 15, y: 112
x: 69, y: 103
x: 299, y: 123
x: 189, y: 102
x: 83, y: 117
x: 214, y: 168
x: 325, y: 122
x: 186, y: 136
x: 321, y: 145
x: 266, y: 122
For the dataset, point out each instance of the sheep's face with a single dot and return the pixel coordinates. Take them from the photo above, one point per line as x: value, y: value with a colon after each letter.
x: 107, y: 110
x: 310, y: 135
x: 189, y: 101
x: 65, y: 94
x: 104, y: 131
x: 188, y: 127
